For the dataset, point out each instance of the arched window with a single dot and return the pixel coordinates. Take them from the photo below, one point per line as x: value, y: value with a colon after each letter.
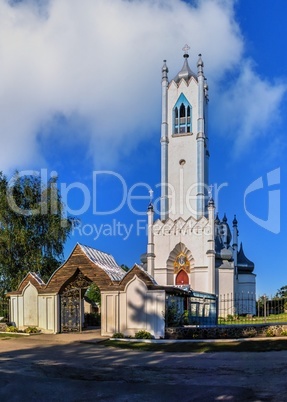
x: 182, y: 110
x: 182, y: 116
x: 176, y: 119
x: 188, y: 119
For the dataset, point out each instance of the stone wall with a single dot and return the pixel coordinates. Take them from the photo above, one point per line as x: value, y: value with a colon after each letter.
x: 3, y: 327
x: 226, y: 331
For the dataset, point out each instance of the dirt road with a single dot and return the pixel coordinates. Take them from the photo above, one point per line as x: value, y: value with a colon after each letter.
x: 76, y: 368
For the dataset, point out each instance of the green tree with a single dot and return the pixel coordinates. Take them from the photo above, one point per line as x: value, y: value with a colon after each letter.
x: 282, y: 292
x: 94, y: 294
x: 125, y: 267
x: 33, y: 228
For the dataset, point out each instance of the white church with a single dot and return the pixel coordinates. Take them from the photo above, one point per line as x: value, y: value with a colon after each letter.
x: 189, y: 245
x: 192, y: 258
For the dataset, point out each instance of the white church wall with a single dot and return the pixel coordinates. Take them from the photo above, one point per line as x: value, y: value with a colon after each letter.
x: 134, y: 309
x: 225, y: 281
x: 47, y: 318
x: 191, y: 93
x: 31, y: 309
x: 225, y: 291
x: 199, y: 279
x: 156, y: 313
x: 30, y: 299
x: 109, y: 323
x: 182, y: 166
x: 16, y: 313
x: 195, y: 237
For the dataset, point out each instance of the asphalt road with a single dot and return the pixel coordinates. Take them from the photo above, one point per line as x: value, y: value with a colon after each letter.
x: 52, y: 368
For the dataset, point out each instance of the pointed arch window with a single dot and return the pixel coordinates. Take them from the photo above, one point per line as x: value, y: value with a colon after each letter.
x: 182, y: 114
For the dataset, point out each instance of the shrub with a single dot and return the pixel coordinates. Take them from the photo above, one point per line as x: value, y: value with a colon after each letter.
x: 118, y: 335
x: 185, y: 317
x: 249, y: 332
x: 270, y: 332
x: 172, y: 316
x: 31, y: 330
x: 143, y: 335
x: 283, y: 332
x: 11, y: 328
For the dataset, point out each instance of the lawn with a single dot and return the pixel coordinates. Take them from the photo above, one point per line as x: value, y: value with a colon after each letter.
x: 8, y: 335
x: 235, y: 320
x: 203, y: 347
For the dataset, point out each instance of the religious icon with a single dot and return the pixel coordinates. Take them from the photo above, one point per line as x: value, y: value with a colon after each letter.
x: 181, y: 259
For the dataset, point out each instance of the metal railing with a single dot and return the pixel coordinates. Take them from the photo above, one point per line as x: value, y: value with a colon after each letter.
x: 246, y: 309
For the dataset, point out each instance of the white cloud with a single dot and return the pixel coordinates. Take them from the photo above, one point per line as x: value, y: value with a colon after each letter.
x: 249, y: 108
x: 102, y: 61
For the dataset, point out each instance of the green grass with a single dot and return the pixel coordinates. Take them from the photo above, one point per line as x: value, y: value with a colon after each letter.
x: 8, y: 335
x: 203, y: 347
x: 272, y: 318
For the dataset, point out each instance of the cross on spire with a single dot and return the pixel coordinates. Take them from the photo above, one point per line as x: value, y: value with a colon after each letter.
x: 186, y: 49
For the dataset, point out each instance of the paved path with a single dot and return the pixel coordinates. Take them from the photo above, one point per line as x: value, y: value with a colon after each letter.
x: 77, y: 367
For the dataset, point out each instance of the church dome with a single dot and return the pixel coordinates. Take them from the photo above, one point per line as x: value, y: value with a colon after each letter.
x: 244, y: 265
x: 185, y: 73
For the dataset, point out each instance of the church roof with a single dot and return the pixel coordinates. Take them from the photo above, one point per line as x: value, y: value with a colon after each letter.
x: 185, y: 73
x: 104, y: 261
x: 245, y: 266
x: 37, y: 278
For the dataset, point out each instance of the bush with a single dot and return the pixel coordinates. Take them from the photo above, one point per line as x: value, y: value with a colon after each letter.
x: 118, y: 335
x: 270, y: 332
x: 11, y: 328
x: 172, y: 317
x: 249, y: 332
x: 143, y: 335
x: 31, y: 330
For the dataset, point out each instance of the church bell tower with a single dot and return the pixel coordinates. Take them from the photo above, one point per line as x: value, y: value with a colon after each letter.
x: 181, y: 243
x: 184, y: 143
x: 187, y: 246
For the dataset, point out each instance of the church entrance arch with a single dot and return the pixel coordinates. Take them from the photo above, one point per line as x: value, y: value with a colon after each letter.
x: 71, y: 303
x: 182, y: 278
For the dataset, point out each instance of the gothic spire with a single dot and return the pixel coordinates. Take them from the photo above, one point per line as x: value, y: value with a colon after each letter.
x: 185, y: 73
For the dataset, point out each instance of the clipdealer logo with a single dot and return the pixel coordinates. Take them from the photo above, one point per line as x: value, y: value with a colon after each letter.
x: 129, y: 197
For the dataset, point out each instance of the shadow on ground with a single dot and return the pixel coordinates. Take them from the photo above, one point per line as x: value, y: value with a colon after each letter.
x: 36, y: 369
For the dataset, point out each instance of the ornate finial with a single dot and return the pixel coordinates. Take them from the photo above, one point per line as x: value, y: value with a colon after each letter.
x: 210, y: 192
x: 150, y: 195
x: 164, y: 71
x: 186, y: 49
x: 200, y: 65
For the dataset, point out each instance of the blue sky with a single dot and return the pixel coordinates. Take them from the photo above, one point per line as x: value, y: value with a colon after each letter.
x: 80, y: 87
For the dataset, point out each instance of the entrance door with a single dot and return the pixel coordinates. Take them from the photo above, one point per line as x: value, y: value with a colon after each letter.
x: 70, y: 311
x: 71, y: 302
x: 182, y: 278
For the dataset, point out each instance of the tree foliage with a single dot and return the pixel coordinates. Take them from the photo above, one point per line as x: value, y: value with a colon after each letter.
x: 33, y: 228
x: 282, y: 292
x: 94, y: 294
x: 125, y: 267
